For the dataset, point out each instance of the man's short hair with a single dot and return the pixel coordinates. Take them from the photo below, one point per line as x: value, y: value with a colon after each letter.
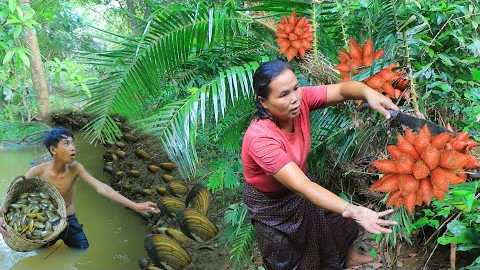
x: 55, y: 135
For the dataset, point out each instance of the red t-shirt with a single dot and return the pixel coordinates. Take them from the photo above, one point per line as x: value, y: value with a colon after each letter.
x: 266, y: 149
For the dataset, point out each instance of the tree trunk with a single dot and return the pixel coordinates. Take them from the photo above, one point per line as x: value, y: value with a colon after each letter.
x: 36, y: 69
x: 131, y: 19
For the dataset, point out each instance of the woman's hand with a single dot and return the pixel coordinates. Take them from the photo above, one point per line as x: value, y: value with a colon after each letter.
x: 370, y: 220
x: 379, y: 102
x: 2, y: 230
x: 147, y: 207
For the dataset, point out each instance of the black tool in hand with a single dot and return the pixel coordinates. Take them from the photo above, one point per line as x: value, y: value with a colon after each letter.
x: 416, y: 124
x: 412, y: 122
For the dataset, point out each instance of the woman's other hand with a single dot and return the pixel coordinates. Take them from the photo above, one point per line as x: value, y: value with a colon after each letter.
x: 380, y: 102
x: 370, y: 220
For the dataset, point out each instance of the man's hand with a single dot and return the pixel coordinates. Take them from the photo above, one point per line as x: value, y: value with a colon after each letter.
x: 370, y: 220
x: 2, y: 230
x: 147, y: 207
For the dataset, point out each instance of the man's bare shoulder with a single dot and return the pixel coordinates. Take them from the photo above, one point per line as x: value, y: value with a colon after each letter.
x: 76, y: 166
x: 38, y: 169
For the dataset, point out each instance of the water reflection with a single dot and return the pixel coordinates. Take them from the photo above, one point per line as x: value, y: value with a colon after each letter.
x: 115, y: 233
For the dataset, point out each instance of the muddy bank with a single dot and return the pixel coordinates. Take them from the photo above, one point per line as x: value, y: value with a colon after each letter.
x: 132, y: 178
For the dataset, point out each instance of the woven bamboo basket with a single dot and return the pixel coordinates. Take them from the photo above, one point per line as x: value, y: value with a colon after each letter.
x: 19, y: 186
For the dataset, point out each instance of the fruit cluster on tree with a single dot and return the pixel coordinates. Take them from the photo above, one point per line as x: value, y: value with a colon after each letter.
x: 294, y: 35
x: 386, y: 81
x: 422, y: 166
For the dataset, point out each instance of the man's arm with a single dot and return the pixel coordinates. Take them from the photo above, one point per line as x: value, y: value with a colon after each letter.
x: 113, y: 195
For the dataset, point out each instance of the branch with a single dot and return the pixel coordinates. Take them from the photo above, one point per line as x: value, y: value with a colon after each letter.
x: 453, y: 248
x: 446, y: 222
x: 439, y: 228
x: 445, y: 24
x: 26, y: 136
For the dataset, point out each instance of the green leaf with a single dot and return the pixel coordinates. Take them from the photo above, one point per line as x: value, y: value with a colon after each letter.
x: 467, y: 246
x: 57, y: 77
x: 444, y: 212
x: 475, y: 74
x: 28, y: 16
x: 24, y: 58
x: 8, y: 56
x: 17, y: 31
x: 428, y: 212
x: 12, y: 5
x: 343, y: 196
x: 457, y: 227
x: 230, y: 179
x: 373, y: 253
x: 13, y: 20
x: 215, y: 181
x: 20, y: 14
x: 86, y: 90
x: 445, y: 59
x: 27, y: 9
x: 442, y: 85
x: 4, y: 13
x: 420, y: 223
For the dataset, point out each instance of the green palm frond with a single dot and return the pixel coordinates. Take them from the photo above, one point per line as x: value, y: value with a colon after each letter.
x: 279, y: 7
x: 326, y: 124
x: 175, y: 124
x: 241, y: 234
x: 228, y: 133
x: 330, y: 28
x: 334, y: 132
x: 173, y: 121
x: 143, y: 74
x: 385, y: 15
x: 242, y: 244
x: 400, y: 232
x: 104, y: 102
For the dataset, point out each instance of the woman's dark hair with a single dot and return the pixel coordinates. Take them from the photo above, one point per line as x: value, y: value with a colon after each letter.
x: 55, y: 135
x: 264, y: 74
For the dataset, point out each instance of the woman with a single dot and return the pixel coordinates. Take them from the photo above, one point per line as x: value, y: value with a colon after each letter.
x: 299, y: 224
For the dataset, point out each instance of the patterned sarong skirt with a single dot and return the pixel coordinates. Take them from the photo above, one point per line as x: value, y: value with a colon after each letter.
x: 293, y: 233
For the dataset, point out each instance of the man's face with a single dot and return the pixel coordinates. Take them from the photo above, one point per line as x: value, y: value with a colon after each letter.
x: 65, y: 150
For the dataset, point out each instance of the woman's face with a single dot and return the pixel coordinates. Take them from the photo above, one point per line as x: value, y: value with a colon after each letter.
x: 285, y: 97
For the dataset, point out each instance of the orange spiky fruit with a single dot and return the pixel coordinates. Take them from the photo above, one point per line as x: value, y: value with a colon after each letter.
x: 294, y: 36
x: 423, y: 166
x: 359, y: 58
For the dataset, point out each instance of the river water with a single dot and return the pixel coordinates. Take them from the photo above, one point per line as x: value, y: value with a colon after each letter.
x: 115, y: 233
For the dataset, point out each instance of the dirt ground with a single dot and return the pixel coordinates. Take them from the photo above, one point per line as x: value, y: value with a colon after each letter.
x: 412, y: 256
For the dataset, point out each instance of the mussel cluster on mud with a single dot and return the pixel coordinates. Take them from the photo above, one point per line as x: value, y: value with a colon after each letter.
x: 33, y: 215
x: 142, y: 173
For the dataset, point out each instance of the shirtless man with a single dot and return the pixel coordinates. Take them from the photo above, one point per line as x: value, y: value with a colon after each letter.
x: 62, y: 172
